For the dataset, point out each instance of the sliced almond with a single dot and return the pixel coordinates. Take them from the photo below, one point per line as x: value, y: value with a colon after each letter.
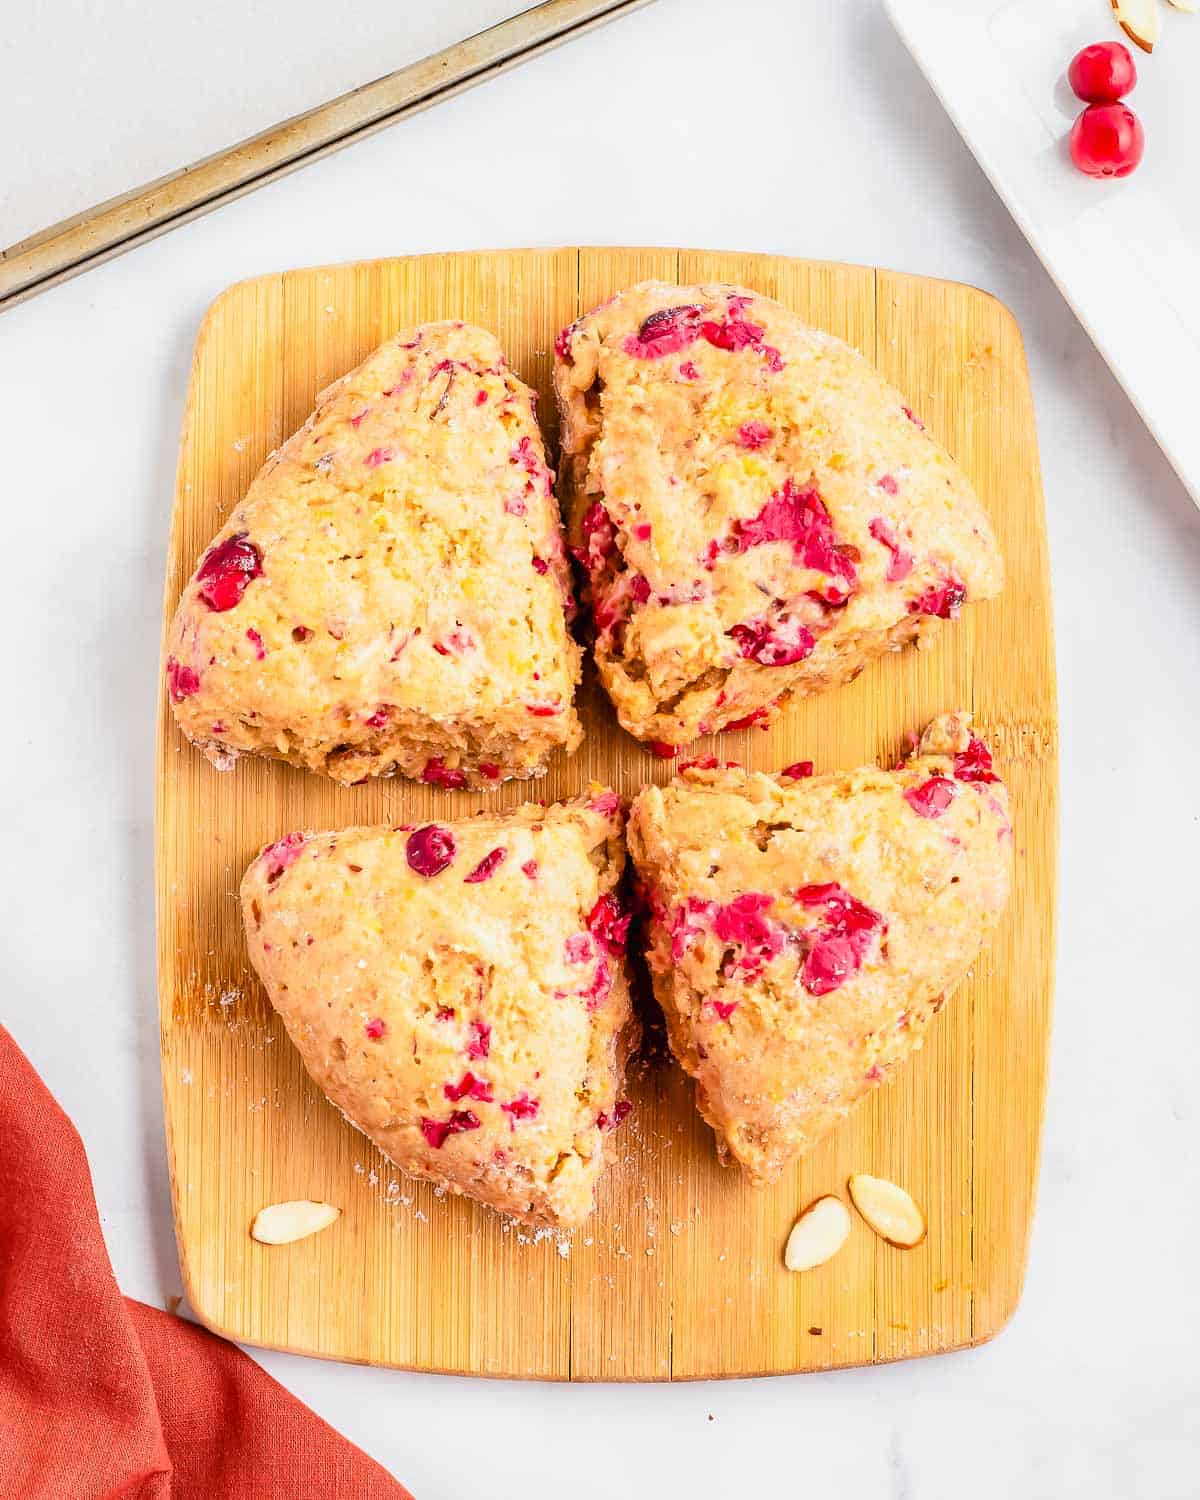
x: 819, y: 1233
x: 1140, y: 20
x: 888, y: 1209
x: 281, y: 1223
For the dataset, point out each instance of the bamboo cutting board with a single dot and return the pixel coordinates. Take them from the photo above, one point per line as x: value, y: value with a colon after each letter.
x: 679, y: 1273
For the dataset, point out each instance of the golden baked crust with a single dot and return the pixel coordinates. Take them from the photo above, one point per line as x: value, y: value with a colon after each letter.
x: 758, y: 512
x: 389, y: 596
x: 459, y: 992
x: 804, y: 932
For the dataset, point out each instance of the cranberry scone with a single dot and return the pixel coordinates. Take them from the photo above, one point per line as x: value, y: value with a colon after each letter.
x: 459, y: 992
x: 391, y: 594
x: 804, y: 932
x: 758, y: 512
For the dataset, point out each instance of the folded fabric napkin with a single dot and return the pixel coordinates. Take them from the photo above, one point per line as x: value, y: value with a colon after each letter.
x: 102, y: 1397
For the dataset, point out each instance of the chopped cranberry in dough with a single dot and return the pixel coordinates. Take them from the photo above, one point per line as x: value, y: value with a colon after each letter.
x: 477, y: 1030
x: 755, y: 512
x: 393, y: 592
x: 804, y: 932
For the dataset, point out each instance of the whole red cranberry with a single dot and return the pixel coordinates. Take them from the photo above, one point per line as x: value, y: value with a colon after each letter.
x: 1107, y: 140
x: 1102, y: 73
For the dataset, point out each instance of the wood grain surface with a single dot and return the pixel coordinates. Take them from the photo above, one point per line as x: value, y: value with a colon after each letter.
x: 679, y: 1274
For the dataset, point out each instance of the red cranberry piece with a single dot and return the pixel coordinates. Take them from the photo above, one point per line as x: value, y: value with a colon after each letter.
x: 540, y: 565
x: 605, y: 804
x: 688, y: 922
x: 912, y: 417
x: 830, y: 962
x: 469, y: 1087
x: 599, y: 536
x: 744, y: 921
x: 526, y: 455
x: 943, y: 599
x: 753, y: 435
x: 664, y: 332
x: 543, y: 710
x: 378, y: 456
x: 430, y: 849
x: 600, y: 988
x: 226, y: 570
x: 840, y: 943
x: 608, y: 923
x: 732, y: 334
x: 1107, y: 140
x: 689, y: 371
x: 376, y: 1028
x: 642, y: 531
x: 887, y: 483
x: 277, y: 857
x: 562, y: 343
x: 798, y: 515
x: 799, y: 770
x: 621, y: 1111
x: 379, y: 718
x: 444, y: 1013
x: 1102, y: 73
x: 486, y: 867
x: 725, y: 1008
x: 530, y: 869
x: 489, y: 770
x: 437, y: 1131
x: 662, y: 749
x: 748, y: 721
x: 256, y: 641
x: 438, y: 773
x: 773, y: 645
x: 579, y: 948
x: 974, y: 763
x: 481, y: 398
x: 522, y: 1107
x: 639, y: 588
x: 481, y: 1039
x: 901, y: 564
x: 932, y: 797
x: 301, y: 633
x: 182, y: 682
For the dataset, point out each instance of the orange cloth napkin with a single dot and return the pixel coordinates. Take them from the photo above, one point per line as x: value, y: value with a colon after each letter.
x: 103, y: 1398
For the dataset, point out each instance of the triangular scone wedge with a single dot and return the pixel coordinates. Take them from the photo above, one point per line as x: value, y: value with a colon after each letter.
x: 758, y: 511
x: 459, y: 992
x: 804, y: 932
x: 389, y: 596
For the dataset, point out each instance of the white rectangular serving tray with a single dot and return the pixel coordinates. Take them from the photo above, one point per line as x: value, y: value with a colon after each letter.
x: 1125, y: 254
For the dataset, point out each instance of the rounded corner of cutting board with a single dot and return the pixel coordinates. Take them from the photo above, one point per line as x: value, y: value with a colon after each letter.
x: 452, y: 1290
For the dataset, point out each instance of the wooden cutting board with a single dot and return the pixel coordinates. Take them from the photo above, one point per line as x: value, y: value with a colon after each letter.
x: 679, y: 1273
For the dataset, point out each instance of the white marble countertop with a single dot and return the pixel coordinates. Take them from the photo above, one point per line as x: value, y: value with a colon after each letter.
x: 797, y: 127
